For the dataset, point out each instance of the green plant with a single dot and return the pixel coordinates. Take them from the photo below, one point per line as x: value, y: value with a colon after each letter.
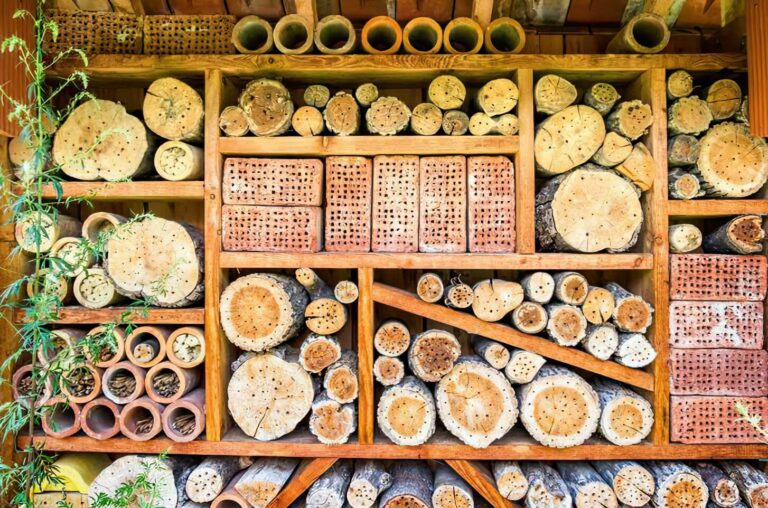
x: 753, y: 419
x: 141, y: 492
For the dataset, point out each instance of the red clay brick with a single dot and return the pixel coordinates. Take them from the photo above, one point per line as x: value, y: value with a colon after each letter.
x: 348, y: 204
x: 395, y: 213
x: 443, y: 204
x: 272, y: 228
x: 704, y: 325
x: 491, y: 204
x: 736, y: 372
x: 717, y: 277
x: 283, y: 182
x: 711, y: 420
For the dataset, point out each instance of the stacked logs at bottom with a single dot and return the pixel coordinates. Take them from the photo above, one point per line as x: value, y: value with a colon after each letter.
x: 342, y: 113
x: 138, y: 383
x: 398, y: 203
x: 711, y: 151
x: 718, y: 364
x: 273, y: 385
x: 608, y: 322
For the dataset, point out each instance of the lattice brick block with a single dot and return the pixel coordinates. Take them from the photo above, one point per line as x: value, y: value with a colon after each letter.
x: 491, y: 204
x: 717, y: 277
x: 443, y: 204
x: 258, y: 181
x: 348, y: 204
x: 95, y: 32
x: 272, y: 228
x: 718, y: 372
x: 395, y: 212
x: 697, y: 419
x: 737, y: 325
x: 188, y: 34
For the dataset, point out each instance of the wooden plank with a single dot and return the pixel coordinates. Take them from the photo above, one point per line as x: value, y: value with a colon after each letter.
x: 480, y: 478
x: 308, y: 471
x: 549, y: 261
x: 323, y: 146
x: 439, y: 10
x: 268, y: 9
x: 482, y: 12
x: 404, y: 300
x: 757, y: 53
x: 197, y: 6
x: 15, y: 79
x: 716, y: 207
x: 366, y: 403
x: 79, y: 315
x: 525, y: 170
x: 307, y: 9
x: 119, y: 191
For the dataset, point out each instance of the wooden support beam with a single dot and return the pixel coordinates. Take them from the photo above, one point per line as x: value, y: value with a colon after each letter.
x: 480, y: 478
x: 197, y: 6
x: 305, y: 475
x: 482, y: 12
x: 307, y: 9
x: 366, y: 404
x: 757, y: 57
x: 138, y: 7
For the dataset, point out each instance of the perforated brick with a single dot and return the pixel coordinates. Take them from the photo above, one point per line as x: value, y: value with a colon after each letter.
x: 272, y: 228
x: 491, y: 204
x: 717, y: 277
x: 443, y: 204
x: 718, y: 372
x: 348, y: 204
x: 737, y: 325
x: 259, y: 181
x: 697, y: 419
x: 395, y: 213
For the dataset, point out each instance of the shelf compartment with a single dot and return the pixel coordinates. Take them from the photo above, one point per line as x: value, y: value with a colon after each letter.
x: 80, y: 315
x: 716, y: 207
x: 324, y: 146
x: 408, y: 302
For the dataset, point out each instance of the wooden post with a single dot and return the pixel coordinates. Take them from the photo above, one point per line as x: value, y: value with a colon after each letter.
x: 757, y: 56
x: 365, y: 320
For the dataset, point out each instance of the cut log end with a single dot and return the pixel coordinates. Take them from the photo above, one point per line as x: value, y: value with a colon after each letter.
x: 318, y: 352
x: 388, y: 371
x: 233, y: 121
x: 392, y: 338
x: 523, y: 366
x: 268, y: 107
x: 430, y: 287
x: 342, y: 114
x: 568, y: 139
x: 567, y: 325
x: 387, y: 116
x: 433, y: 354
x: 684, y: 238
x: 325, y: 316
x: 406, y: 412
x: 553, y: 94
x: 446, y: 92
x: 308, y: 121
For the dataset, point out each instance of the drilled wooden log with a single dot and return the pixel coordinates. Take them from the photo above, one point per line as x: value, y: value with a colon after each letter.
x: 546, y: 488
x: 329, y: 490
x: 308, y: 121
x: 631, y: 119
x: 317, y: 96
x: 679, y: 84
x: 752, y: 482
x: 252, y: 35
x: 388, y: 370
x: 178, y: 161
x: 174, y: 110
x: 387, y: 116
x: 212, y: 475
x: 741, y: 235
x: 639, y: 167
x: 74, y: 254
x: 568, y: 139
x: 318, y: 352
x: 268, y: 107
x: 601, y: 341
x: 742, y: 115
x: 682, y: 150
x: 264, y: 479
x: 480, y: 124
x: 683, y: 185
x: 614, y: 150
x: 127, y: 469
x: 723, y: 491
x: 523, y: 366
x: 510, y: 480
x: 723, y: 98
x: 451, y: 491
x: 369, y: 480
x: 342, y: 114
x: 553, y: 94
x: 634, y: 350
x: 233, y: 121
x: 335, y: 35
x: 497, y: 97
x: 571, y: 287
x: 632, y: 313
x: 495, y: 353
x: 270, y: 393
x: 37, y: 231
x: 432, y: 354
x: 458, y: 295
x: 530, y: 317
x: 598, y: 305
x: 346, y: 291
x: 632, y: 483
x: 559, y: 408
x: 455, y: 123
x: 392, y: 338
x: 330, y: 421
x: 538, y: 287
x: 430, y: 287
x: 684, y: 238
x: 602, y: 97
x: 643, y: 33
x: 406, y: 412
x: 366, y: 94
x: 495, y: 298
x: 446, y: 92
x: 426, y: 119
x: 325, y: 316
x: 587, y: 488
x: 412, y: 486
x: 340, y: 380
x: 626, y: 417
x: 689, y: 115
x: 677, y: 485
x: 567, y: 325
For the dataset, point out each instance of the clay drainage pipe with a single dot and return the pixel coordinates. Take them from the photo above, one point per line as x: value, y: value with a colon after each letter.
x: 644, y: 33
x: 293, y: 35
x: 381, y: 35
x: 184, y: 420
x: 186, y: 347
x: 100, y: 418
x: 62, y: 339
x: 141, y: 420
x: 166, y: 382
x: 463, y: 35
x: 252, y: 35
x: 422, y: 36
x: 82, y: 383
x: 61, y: 418
x: 504, y: 35
x: 145, y: 346
x: 123, y: 382
x: 112, y: 348
x: 229, y: 497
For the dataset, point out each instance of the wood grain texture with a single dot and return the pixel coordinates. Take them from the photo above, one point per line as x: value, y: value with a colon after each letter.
x: 119, y: 191
x: 366, y: 405
x: 81, y: 315
x: 525, y: 167
x: 757, y: 54
x: 716, y: 207
x: 480, y: 478
x: 305, y: 475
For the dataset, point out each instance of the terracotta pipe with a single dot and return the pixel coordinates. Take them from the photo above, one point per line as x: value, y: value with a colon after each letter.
x: 100, y: 418
x: 191, y: 406
x: 119, y: 370
x: 86, y: 396
x: 463, y: 36
x: 643, y: 33
x: 422, y: 36
x: 146, y: 339
x: 381, y: 35
x: 188, y: 380
x: 293, y: 35
x: 229, y: 497
x: 184, y: 335
x: 252, y: 35
x: 100, y: 222
x: 335, y: 35
x: 107, y: 357
x: 21, y: 386
x: 63, y: 339
x: 141, y: 420
x: 504, y: 35
x: 62, y: 419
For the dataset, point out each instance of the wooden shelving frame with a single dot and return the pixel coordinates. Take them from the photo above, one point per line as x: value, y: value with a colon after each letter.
x: 644, y: 77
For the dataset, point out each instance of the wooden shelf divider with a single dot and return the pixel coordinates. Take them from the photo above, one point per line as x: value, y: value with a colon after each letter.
x: 305, y: 475
x: 118, y: 191
x: 716, y: 207
x: 75, y: 315
x: 479, y: 477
